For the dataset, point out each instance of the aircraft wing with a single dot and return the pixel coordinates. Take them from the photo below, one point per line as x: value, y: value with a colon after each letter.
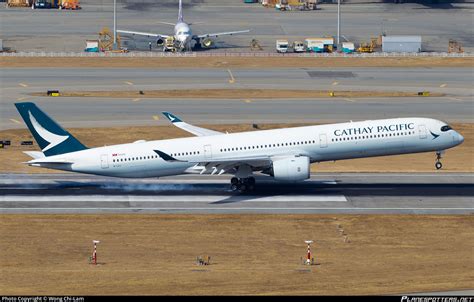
x: 221, y: 165
x: 198, y: 131
x: 223, y: 34
x: 139, y: 33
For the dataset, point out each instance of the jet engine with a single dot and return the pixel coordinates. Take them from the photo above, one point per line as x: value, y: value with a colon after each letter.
x: 206, y: 43
x: 295, y: 168
x: 160, y: 42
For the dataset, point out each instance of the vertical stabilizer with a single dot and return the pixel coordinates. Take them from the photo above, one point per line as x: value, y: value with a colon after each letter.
x: 180, y: 12
x: 49, y: 135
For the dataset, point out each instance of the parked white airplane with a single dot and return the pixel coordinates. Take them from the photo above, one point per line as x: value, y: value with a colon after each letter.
x: 183, y: 35
x: 285, y: 154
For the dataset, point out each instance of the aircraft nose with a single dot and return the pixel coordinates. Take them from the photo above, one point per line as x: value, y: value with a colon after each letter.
x: 460, y: 138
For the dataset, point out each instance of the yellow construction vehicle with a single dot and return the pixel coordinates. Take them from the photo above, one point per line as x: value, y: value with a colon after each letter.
x: 169, y: 44
x: 106, y: 40
x: 455, y: 47
x: 255, y: 45
x: 18, y: 3
x: 365, y: 47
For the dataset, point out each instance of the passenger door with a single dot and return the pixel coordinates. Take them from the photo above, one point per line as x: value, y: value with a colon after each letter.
x: 323, y: 141
x: 104, y: 161
x: 422, y: 131
x: 207, y: 151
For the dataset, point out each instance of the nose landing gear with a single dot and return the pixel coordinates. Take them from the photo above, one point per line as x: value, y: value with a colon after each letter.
x: 242, y: 184
x: 438, y: 164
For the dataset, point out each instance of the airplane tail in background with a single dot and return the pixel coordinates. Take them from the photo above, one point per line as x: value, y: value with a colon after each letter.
x: 180, y: 12
x: 49, y: 135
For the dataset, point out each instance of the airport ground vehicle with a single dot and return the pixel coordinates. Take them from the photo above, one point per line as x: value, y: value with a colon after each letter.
x: 39, y: 4
x: 282, y: 46
x: 348, y: 47
x: 298, y: 46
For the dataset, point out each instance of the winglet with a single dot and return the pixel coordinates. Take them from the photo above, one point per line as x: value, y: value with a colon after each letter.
x: 165, y: 156
x: 173, y: 118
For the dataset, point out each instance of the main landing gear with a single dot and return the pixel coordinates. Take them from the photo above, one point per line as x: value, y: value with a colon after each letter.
x: 438, y: 164
x: 242, y: 184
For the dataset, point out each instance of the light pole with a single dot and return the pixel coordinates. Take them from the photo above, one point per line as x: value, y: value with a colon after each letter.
x: 338, y: 23
x: 115, y: 25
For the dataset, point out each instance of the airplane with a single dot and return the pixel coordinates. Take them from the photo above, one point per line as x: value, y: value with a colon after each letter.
x: 285, y: 154
x: 183, y: 35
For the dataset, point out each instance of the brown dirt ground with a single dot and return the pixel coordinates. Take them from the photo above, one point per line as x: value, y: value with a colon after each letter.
x: 458, y: 159
x: 234, y: 93
x: 250, y: 254
x: 234, y: 62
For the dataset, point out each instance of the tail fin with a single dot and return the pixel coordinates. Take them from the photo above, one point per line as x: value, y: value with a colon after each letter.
x: 51, y: 137
x: 180, y: 12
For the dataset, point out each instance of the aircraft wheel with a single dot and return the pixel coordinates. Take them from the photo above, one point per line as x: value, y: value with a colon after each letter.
x: 243, y: 188
x: 234, y: 181
x: 234, y: 187
x: 438, y: 165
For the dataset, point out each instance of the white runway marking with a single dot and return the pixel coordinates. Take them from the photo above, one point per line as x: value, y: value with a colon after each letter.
x: 232, y: 79
x: 166, y: 198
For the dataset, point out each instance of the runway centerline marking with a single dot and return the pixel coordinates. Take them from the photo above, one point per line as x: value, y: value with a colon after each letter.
x: 23, y: 84
x: 349, y: 100
x: 15, y: 121
x: 443, y: 85
x: 136, y: 100
x: 156, y: 117
x: 335, y: 83
x: 21, y: 98
x: 128, y: 83
x: 232, y: 79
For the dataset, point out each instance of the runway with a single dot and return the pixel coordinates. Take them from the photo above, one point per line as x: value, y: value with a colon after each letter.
x: 456, y: 106
x: 332, y: 193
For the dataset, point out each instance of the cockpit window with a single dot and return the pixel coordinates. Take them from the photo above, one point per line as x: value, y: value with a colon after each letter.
x: 445, y: 128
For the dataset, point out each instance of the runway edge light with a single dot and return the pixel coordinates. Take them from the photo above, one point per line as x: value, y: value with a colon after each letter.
x: 93, y: 259
x: 309, y: 256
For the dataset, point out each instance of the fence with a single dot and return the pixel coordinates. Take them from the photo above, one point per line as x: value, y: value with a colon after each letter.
x: 232, y: 54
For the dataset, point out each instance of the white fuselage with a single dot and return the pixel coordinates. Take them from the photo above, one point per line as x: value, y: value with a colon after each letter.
x: 319, y: 143
x: 183, y: 34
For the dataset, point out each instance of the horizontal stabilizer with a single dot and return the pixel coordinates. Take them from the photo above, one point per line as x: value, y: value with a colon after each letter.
x: 34, y: 154
x: 40, y: 163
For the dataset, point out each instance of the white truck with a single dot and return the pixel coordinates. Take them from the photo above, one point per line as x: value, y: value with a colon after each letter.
x: 282, y: 46
x: 298, y: 46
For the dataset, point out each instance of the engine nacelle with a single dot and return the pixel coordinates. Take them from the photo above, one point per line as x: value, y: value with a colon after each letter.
x: 160, y: 42
x: 294, y: 168
x: 206, y: 43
